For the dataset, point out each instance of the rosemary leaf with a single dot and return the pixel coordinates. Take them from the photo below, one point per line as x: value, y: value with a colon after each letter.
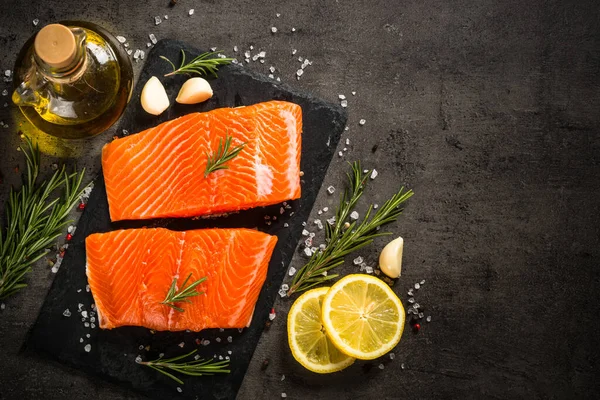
x: 183, y: 294
x: 222, y: 155
x: 192, y: 368
x: 345, y: 238
x: 34, y: 220
x: 201, y: 65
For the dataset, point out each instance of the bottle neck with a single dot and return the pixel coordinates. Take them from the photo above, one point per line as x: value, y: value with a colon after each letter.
x: 71, y: 72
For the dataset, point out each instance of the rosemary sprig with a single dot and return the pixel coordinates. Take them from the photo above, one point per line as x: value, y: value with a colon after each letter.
x: 222, y: 155
x: 181, y: 295
x: 193, y: 368
x: 33, y: 220
x: 345, y: 237
x: 201, y: 65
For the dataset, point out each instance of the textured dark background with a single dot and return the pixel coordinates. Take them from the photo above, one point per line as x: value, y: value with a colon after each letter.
x: 489, y: 110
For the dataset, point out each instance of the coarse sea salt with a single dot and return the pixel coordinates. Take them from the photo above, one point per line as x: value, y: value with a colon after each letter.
x: 87, y: 348
x: 292, y: 271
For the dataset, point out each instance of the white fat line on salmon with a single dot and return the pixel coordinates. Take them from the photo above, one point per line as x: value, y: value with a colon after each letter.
x: 293, y: 169
x: 176, y: 276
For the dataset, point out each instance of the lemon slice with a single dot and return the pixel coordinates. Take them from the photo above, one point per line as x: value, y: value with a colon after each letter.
x: 308, y: 341
x: 363, y: 316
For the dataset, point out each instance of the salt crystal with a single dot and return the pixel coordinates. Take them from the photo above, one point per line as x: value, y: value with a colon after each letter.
x: 421, y: 315
x: 197, y: 357
x: 294, y: 51
x: 220, y: 357
x: 307, y: 252
x: 166, y: 17
x: 286, y: 225
x: 402, y: 366
x: 358, y: 260
x: 353, y: 93
x: 292, y: 271
x: 157, y: 20
x: 417, y: 286
x: 87, y: 288
x: 235, y: 48
x: 255, y: 57
x: 374, y: 174
x: 213, y: 49
x: 229, y: 351
x: 283, y: 290
x: 179, y: 389
x: 138, y: 359
x: 251, y: 47
x: 340, y: 153
x: 227, y: 357
x: 36, y: 22
x: 273, y: 29
x: 262, y: 54
x: 278, y: 79
x: 423, y: 282
x: 369, y: 270
x: 322, y: 246
x: 88, y: 348
x: 362, y: 121
x: 410, y: 292
x: 86, y: 324
x: 181, y: 344
x: 66, y: 313
x: 331, y: 221
x: 325, y: 209
x: 411, y: 300
x: 129, y: 52
x: 93, y: 306
x: 218, y: 340
x: 262, y: 61
x: 230, y: 339
x: 341, y: 97
x: 142, y: 54
x: 354, y: 215
x: 344, y: 103
x: 278, y: 15
x: 54, y: 269
x: 392, y: 356
x: 318, y: 223
x: 191, y: 12
x: 247, y: 60
x: 375, y: 206
x: 121, y: 39
x: 381, y: 366
x: 153, y: 38
x: 92, y: 326
x: 148, y: 44
x: 80, y: 340
x: 205, y: 342
x: 346, y: 128
x: 84, y: 314
x: 305, y: 232
x: 282, y: 378
x: 283, y: 395
x: 87, y: 335
x: 416, y: 305
x: 272, y: 316
x: 272, y: 69
x: 299, y: 73
x: 428, y: 318
x: 5, y: 92
x: 79, y: 307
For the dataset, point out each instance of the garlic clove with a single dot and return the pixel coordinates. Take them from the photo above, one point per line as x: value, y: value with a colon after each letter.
x: 194, y: 90
x: 154, y: 98
x: 390, y: 259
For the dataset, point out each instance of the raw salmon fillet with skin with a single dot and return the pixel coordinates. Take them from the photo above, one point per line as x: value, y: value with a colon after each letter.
x: 159, y: 172
x: 130, y: 273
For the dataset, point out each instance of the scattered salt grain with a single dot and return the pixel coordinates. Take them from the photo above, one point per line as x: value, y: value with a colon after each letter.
x: 181, y: 344
x: 292, y: 271
x: 307, y: 252
x: 272, y: 69
x: 229, y: 340
x: 157, y: 20
x: 166, y: 17
x: 358, y: 260
x: 374, y: 174
x: 278, y: 15
x: 191, y: 12
x: 273, y: 29
x: 36, y: 22
x: 362, y: 121
x: 179, y: 389
x: 87, y: 288
x: 299, y: 72
x: 417, y: 286
x: 344, y: 103
x: 341, y: 154
x: 428, y: 319
x: 318, y: 223
x: 305, y: 232
x: 80, y: 340
x: 5, y: 92
x: 229, y: 351
x: 87, y: 335
x: 283, y: 395
x: 331, y: 221
x: 421, y: 315
x: 272, y: 315
x: 402, y: 365
x: 235, y: 48
x: 138, y: 359
x: 218, y: 340
x: 294, y: 51
x: 262, y: 54
x: 381, y: 366
x: 325, y: 209
x: 129, y: 52
x: 423, y: 282
x: 283, y: 290
x: 79, y: 307
x: 411, y: 300
x: 341, y: 97
x: 330, y: 190
x: 66, y: 313
x: 353, y: 93
x: 121, y: 39
x: 84, y: 314
x: 148, y: 44
x: 354, y: 215
x: 392, y: 356
x: 369, y: 270
x: 375, y: 206
x: 410, y: 292
x: 282, y: 378
x: 92, y: 326
x: 88, y: 348
x: 86, y: 324
x: 153, y: 38
x: 286, y: 225
x: 205, y: 342
x: 197, y: 357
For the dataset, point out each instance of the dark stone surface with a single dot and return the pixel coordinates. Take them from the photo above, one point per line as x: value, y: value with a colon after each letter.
x: 114, y: 351
x: 487, y: 109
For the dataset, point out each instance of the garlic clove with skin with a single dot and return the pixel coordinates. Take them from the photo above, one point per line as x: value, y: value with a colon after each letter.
x: 194, y: 90
x: 154, y: 97
x: 390, y: 259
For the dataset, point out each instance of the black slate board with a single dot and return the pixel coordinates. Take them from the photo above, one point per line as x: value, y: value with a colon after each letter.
x: 113, y: 352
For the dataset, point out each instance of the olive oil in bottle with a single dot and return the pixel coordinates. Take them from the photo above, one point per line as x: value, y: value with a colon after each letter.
x: 72, y: 80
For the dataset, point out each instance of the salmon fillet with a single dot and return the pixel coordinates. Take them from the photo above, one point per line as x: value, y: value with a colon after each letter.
x: 159, y: 172
x: 130, y: 273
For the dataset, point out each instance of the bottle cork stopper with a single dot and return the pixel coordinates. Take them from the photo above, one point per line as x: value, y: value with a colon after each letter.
x: 55, y: 45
